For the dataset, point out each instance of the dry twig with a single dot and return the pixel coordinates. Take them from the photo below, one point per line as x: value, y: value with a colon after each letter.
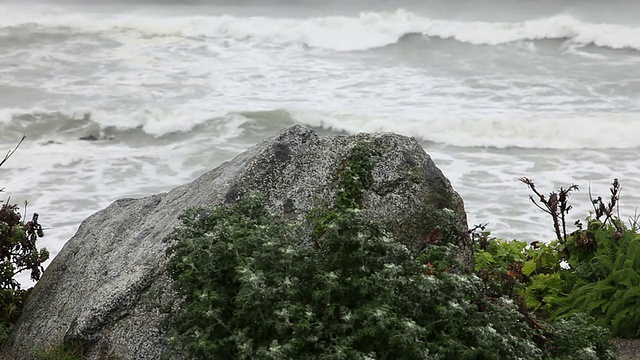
x: 11, y: 152
x: 557, y: 205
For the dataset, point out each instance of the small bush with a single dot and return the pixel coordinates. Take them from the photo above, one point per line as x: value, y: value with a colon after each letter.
x: 606, y: 284
x: 594, y: 270
x: 252, y: 290
x: 18, y: 253
x: 577, y: 337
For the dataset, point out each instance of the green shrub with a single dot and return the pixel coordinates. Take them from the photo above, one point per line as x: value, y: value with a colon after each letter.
x: 18, y: 253
x: 528, y: 273
x: 252, y: 290
x: 577, y: 337
x: 606, y: 284
x: 594, y: 270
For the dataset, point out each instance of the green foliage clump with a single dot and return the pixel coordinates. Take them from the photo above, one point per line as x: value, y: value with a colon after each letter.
x: 499, y: 265
x: 18, y: 253
x: 250, y: 289
x: 356, y: 177
x: 576, y: 337
x: 64, y: 350
x: 505, y: 267
x: 606, y: 283
x: 528, y: 273
x: 71, y: 350
x: 594, y: 270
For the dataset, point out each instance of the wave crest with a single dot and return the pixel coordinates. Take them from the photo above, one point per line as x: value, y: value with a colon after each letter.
x: 340, y: 33
x: 570, y: 131
x: 593, y: 131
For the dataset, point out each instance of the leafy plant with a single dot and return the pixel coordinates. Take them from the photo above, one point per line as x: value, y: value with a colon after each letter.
x: 577, y: 337
x: 594, y: 270
x: 499, y: 264
x: 18, y: 253
x: 252, y: 290
x: 607, y: 286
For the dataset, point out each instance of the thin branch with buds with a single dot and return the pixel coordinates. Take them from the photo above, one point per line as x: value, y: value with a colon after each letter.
x: 557, y: 205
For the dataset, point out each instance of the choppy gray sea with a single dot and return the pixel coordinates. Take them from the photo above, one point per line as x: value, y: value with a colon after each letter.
x: 494, y: 90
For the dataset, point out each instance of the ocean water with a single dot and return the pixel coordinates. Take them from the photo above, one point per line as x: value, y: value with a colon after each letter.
x: 494, y: 91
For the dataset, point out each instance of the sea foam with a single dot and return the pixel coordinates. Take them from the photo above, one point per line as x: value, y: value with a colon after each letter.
x: 547, y: 131
x: 341, y: 33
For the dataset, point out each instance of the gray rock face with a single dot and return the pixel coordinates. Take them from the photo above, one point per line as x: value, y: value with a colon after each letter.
x: 100, y: 287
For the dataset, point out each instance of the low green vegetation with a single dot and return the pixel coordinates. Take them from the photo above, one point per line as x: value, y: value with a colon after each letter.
x: 71, y: 350
x: 253, y: 286
x: 594, y: 270
x: 62, y: 351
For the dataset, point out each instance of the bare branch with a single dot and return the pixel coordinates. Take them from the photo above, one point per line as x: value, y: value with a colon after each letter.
x: 593, y: 203
x: 538, y: 205
x: 11, y: 152
x: 556, y: 205
x: 635, y: 220
x: 618, y: 205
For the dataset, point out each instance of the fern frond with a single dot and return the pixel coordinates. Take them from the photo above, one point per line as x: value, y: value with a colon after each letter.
x: 627, y: 277
x: 626, y: 324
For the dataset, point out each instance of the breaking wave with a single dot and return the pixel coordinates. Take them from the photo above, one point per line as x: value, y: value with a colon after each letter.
x: 548, y: 131
x: 593, y: 131
x: 341, y: 33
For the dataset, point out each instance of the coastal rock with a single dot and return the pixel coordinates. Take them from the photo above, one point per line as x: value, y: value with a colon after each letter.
x: 103, y: 286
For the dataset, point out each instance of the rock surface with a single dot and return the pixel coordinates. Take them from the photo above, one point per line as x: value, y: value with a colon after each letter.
x: 101, y: 287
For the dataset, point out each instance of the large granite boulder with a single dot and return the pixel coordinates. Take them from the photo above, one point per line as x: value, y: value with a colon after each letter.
x: 101, y: 288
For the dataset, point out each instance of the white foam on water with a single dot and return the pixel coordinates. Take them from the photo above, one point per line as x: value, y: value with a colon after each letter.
x: 161, y: 77
x: 155, y: 120
x: 341, y: 33
x: 206, y: 77
x: 546, y: 131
